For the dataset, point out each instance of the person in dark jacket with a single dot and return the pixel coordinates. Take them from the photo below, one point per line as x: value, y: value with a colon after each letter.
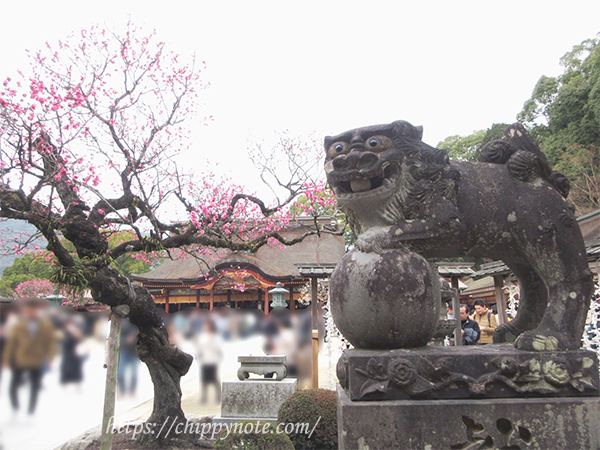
x: 128, y: 360
x: 73, y: 356
x: 470, y: 328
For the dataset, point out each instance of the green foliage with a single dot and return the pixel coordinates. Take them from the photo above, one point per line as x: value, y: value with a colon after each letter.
x: 463, y: 148
x: 312, y: 406
x: 127, y: 264
x: 30, y: 266
x: 253, y: 435
x: 467, y: 148
x: 494, y: 132
x: 42, y: 265
x: 543, y: 95
x: 77, y: 276
x: 581, y: 164
x: 563, y: 114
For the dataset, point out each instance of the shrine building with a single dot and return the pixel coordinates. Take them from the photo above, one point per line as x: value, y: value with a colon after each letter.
x: 211, y: 278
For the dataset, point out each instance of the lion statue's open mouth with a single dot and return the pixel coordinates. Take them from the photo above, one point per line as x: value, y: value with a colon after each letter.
x: 356, y: 184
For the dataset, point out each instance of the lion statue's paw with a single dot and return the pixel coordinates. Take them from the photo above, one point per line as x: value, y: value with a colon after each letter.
x: 373, y: 240
x: 507, y: 332
x: 537, y: 341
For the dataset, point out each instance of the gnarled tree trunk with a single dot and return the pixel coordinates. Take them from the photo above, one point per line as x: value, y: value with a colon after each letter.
x: 166, y: 363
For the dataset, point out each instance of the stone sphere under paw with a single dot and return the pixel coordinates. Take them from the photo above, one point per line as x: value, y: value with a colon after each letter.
x: 385, y: 300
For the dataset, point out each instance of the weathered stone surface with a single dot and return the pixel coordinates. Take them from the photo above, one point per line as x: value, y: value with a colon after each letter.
x: 376, y: 299
x: 487, y: 371
x: 400, y: 193
x: 534, y: 423
x: 255, y: 398
x: 260, y: 359
x: 262, y: 365
x: 445, y: 327
x: 83, y: 441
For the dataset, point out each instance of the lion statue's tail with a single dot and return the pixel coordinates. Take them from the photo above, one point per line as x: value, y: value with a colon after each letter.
x: 523, y: 158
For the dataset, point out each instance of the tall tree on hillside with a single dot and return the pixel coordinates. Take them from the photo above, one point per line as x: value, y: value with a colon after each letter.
x: 88, y: 145
x: 563, y: 113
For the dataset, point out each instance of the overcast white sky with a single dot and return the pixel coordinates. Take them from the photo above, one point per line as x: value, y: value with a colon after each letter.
x: 325, y: 67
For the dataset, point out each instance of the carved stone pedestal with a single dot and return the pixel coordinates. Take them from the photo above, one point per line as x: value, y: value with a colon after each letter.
x: 532, y: 423
x: 254, y: 399
x: 479, y: 397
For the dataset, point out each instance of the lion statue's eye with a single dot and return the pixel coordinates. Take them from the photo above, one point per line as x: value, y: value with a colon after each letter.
x: 378, y: 143
x: 338, y: 148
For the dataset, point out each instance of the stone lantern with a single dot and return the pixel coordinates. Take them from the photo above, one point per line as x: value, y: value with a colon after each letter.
x: 56, y: 298
x: 279, y: 294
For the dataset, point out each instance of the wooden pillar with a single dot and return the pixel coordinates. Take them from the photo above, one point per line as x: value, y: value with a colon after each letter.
x: 292, y: 301
x: 167, y: 302
x: 456, y: 309
x: 212, y: 298
x: 314, y: 303
x: 315, y: 359
x: 454, y: 282
x: 500, y: 299
x: 112, y: 363
x: 266, y: 301
x: 198, y: 298
x: 315, y: 331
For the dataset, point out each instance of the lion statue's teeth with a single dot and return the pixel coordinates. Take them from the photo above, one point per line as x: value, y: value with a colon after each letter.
x: 360, y: 185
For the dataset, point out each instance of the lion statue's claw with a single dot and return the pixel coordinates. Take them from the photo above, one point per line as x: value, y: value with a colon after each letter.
x: 538, y: 341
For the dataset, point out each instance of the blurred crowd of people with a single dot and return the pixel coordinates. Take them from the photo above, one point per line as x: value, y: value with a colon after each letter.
x: 33, y: 333
x: 36, y: 336
x: 283, y: 332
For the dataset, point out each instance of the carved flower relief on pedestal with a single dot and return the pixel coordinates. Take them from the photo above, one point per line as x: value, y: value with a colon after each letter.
x: 543, y: 376
x: 556, y: 373
x: 538, y: 375
x: 507, y: 367
x: 400, y: 373
x: 376, y: 369
x: 581, y: 378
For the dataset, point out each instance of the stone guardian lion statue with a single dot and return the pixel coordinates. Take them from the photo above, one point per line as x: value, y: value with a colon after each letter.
x: 399, y: 192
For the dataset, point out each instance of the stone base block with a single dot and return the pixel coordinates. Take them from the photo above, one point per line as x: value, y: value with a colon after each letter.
x: 530, y: 423
x: 252, y: 399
